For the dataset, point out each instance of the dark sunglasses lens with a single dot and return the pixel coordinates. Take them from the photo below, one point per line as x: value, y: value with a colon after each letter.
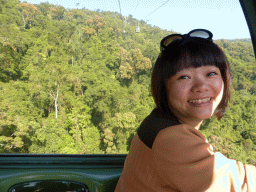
x: 171, y: 39
x: 201, y: 34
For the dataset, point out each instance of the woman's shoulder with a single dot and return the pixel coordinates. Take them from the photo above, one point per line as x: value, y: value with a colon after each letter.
x: 183, y: 131
x: 153, y: 124
x: 181, y: 136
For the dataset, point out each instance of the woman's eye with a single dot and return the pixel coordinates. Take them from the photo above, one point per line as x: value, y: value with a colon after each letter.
x: 184, y: 77
x: 212, y: 73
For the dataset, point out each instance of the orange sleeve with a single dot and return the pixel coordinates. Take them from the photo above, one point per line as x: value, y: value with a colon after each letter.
x: 184, y: 159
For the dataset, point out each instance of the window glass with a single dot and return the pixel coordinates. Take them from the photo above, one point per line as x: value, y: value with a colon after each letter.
x: 75, y: 75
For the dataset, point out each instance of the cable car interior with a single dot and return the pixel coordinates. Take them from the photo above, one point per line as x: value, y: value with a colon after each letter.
x: 94, y: 173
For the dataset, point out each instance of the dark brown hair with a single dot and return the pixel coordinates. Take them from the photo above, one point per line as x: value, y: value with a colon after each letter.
x: 190, y: 52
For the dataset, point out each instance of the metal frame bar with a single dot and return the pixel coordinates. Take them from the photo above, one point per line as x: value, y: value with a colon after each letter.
x: 249, y: 9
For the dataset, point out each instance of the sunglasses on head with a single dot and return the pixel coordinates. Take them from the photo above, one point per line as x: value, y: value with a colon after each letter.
x: 198, y: 33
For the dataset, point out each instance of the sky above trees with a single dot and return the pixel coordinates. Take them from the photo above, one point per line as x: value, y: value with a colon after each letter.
x: 223, y: 17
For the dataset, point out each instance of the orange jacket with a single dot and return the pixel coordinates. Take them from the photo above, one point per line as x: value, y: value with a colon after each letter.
x: 179, y: 158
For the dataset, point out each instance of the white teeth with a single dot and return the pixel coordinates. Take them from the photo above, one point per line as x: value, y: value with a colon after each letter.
x: 200, y: 100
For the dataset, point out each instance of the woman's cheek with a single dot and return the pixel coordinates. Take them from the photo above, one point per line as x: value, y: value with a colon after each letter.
x: 219, y: 85
x: 180, y: 89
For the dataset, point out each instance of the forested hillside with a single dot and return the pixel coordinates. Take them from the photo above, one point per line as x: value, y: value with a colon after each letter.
x: 75, y: 81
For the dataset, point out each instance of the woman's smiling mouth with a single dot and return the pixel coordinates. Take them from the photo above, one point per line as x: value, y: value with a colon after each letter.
x: 200, y: 101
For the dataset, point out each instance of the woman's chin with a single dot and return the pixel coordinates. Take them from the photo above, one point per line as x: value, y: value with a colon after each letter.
x: 204, y: 116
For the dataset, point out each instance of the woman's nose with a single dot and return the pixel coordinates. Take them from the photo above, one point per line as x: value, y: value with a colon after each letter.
x: 200, y: 85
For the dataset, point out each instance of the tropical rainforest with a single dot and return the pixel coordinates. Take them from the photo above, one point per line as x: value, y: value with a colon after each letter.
x: 76, y: 81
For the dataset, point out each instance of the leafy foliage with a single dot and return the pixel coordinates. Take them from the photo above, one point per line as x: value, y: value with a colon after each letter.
x: 78, y: 82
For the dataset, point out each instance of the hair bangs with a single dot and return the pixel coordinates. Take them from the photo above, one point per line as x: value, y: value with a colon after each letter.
x: 195, y: 54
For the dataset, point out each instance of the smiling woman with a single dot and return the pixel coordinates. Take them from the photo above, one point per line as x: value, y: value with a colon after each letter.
x: 190, y: 52
x: 194, y: 94
x: 190, y: 83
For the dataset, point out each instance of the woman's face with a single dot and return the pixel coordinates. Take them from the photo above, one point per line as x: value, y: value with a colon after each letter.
x: 194, y: 93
